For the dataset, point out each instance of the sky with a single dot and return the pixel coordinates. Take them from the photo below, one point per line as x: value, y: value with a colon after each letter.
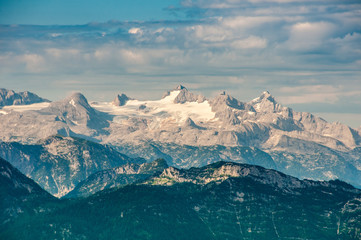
x: 306, y: 53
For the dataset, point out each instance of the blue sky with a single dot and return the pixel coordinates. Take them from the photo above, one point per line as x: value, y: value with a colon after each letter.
x: 306, y: 53
x: 69, y: 12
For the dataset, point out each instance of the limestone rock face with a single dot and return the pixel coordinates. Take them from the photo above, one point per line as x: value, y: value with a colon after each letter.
x: 59, y: 163
x: 9, y: 97
x: 121, y: 100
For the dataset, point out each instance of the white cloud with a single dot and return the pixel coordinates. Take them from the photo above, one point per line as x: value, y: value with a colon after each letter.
x: 307, y: 36
x: 209, y: 33
x: 34, y: 63
x: 135, y: 31
x: 250, y: 42
x: 60, y: 53
x: 315, y: 94
x: 245, y: 22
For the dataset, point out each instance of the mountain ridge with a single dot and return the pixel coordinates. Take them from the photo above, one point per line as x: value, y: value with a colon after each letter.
x: 251, y: 203
x: 10, y: 97
x: 59, y: 163
x: 180, y: 121
x: 18, y: 192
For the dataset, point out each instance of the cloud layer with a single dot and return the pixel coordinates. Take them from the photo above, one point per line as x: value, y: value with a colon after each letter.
x: 304, y: 52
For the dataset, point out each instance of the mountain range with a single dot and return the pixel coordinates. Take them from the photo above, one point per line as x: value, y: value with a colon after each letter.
x: 59, y: 163
x: 189, y: 130
x: 222, y: 200
x: 9, y: 97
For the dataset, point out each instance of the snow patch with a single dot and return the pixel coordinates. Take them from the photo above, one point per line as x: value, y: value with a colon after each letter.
x: 159, y: 110
x: 23, y: 108
x: 72, y: 102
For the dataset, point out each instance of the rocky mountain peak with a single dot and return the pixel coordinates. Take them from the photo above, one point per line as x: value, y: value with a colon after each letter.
x: 223, y: 99
x: 77, y: 99
x: 266, y: 103
x: 185, y: 96
x: 10, y: 97
x: 189, y: 123
x: 121, y: 100
x: 266, y: 96
x: 76, y: 111
x: 180, y: 87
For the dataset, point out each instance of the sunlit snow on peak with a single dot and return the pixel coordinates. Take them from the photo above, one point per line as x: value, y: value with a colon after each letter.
x: 23, y: 108
x: 163, y: 109
x: 72, y: 102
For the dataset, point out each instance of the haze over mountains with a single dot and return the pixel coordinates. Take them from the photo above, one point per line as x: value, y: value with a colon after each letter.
x: 189, y: 130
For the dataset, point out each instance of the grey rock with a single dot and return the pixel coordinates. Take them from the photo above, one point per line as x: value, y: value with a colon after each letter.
x: 117, y: 177
x: 121, y: 100
x: 59, y: 163
x: 9, y: 97
x: 185, y: 96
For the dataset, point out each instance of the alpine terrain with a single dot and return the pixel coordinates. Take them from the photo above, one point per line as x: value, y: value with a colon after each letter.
x: 190, y: 130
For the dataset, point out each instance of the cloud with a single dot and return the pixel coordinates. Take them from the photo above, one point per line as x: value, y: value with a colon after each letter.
x: 135, y: 31
x: 33, y: 62
x: 316, y: 94
x: 308, y: 36
x: 250, y: 42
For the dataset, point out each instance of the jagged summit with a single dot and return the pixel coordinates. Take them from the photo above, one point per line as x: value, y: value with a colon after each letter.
x: 180, y: 87
x: 224, y: 99
x: 265, y: 96
x: 10, y: 97
x: 177, y: 88
x: 121, y: 100
x: 184, y: 95
x: 266, y: 103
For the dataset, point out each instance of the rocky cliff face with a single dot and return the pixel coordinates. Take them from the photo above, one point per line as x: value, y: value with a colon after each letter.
x: 221, y: 171
x: 9, y: 97
x: 117, y: 177
x: 59, y: 163
x: 121, y: 100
